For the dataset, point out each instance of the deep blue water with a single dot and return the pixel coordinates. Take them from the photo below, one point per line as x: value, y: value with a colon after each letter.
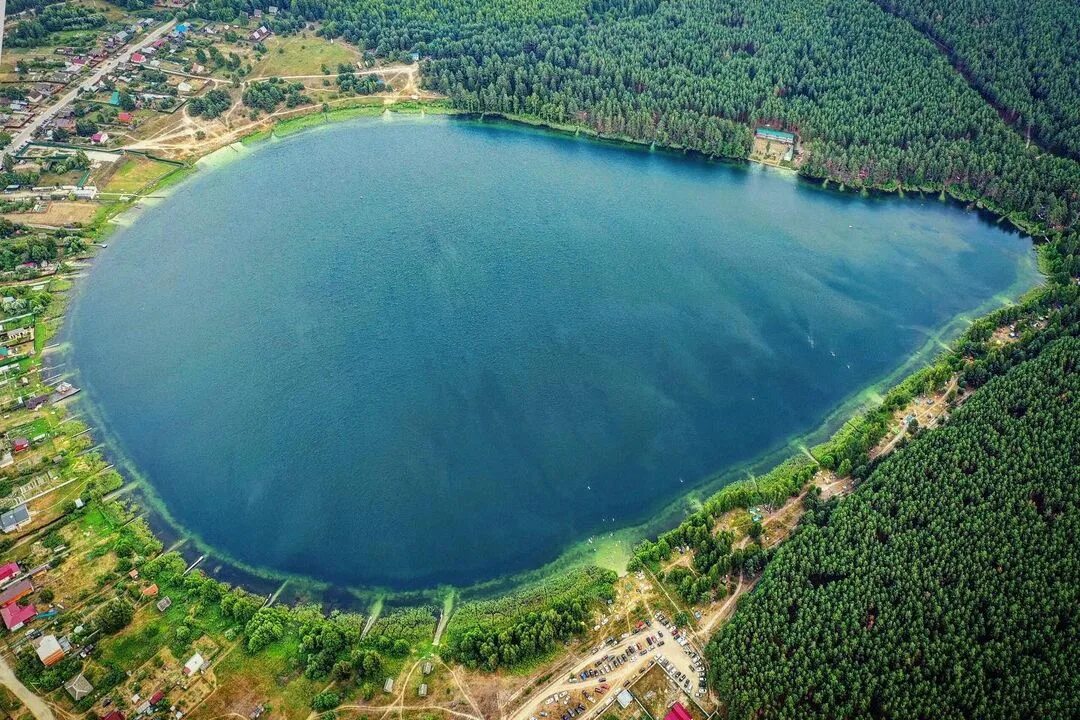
x: 425, y: 351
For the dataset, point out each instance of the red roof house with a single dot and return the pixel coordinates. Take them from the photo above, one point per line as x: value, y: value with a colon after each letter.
x: 9, y: 570
x: 138, y: 58
x: 14, y: 593
x: 114, y: 715
x: 20, y: 444
x: 157, y: 697
x: 125, y: 117
x: 15, y: 615
x: 677, y: 712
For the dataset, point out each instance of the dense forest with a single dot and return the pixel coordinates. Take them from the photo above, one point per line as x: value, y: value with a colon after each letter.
x: 945, y: 587
x: 875, y: 102
x: 54, y: 18
x: 1023, y: 58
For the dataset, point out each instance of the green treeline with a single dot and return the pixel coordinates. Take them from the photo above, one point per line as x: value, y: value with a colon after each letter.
x: 875, y: 103
x: 1023, y: 57
x: 528, y: 623
x: 946, y: 586
x: 54, y: 18
x: 973, y: 360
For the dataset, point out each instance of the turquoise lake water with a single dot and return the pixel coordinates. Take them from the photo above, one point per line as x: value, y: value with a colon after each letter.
x: 420, y: 351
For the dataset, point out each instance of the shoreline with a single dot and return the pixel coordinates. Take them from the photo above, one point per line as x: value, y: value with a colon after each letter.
x: 580, y: 553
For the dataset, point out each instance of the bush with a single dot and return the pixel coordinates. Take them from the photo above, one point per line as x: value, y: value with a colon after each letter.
x: 325, y: 701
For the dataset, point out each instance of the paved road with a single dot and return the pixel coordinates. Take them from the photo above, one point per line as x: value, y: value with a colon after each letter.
x: 35, y: 704
x: 27, y: 132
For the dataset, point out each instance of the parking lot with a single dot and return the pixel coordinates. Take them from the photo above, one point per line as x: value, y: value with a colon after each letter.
x: 595, y: 681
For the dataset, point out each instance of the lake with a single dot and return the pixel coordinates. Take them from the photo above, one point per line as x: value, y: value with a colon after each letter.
x: 423, y: 350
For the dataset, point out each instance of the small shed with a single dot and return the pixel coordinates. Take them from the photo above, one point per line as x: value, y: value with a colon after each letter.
x: 427, y: 667
x: 388, y: 686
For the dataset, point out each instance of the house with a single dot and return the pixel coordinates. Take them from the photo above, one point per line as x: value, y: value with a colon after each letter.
x: 49, y: 651
x: 37, y: 401
x: 388, y: 686
x: 78, y: 687
x: 184, y: 88
x: 114, y: 99
x: 194, y: 664
x: 423, y: 690
x: 20, y: 444
x: 138, y: 58
x: 197, y: 69
x: 272, y: 10
x: 164, y: 604
x: 15, y: 592
x: 257, y: 13
x: 16, y: 615
x: 114, y: 715
x: 259, y: 35
x: 181, y: 28
x: 150, y: 591
x: 134, y: 574
x: 157, y: 697
x: 9, y: 570
x: 775, y: 135
x: 23, y: 334
x: 14, y: 519
x: 99, y: 138
x: 677, y: 712
x: 34, y: 96
x: 624, y: 699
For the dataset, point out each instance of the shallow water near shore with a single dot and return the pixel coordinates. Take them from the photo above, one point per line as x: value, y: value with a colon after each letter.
x: 425, y: 351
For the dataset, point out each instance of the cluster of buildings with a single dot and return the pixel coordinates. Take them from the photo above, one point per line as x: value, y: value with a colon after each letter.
x: 16, y: 586
x: 47, y: 84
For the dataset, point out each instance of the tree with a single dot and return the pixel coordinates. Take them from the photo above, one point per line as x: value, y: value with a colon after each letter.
x: 954, y: 553
x: 325, y: 701
x: 114, y: 616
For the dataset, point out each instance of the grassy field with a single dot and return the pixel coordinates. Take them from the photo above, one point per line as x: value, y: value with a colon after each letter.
x: 299, y: 55
x: 135, y: 173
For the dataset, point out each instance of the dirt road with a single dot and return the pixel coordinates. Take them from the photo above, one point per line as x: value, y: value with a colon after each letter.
x: 36, y: 705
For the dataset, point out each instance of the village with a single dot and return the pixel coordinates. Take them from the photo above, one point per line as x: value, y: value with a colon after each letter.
x: 92, y: 116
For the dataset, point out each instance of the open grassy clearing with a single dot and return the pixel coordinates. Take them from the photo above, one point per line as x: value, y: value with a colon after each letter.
x: 134, y: 173
x: 298, y: 55
x: 58, y: 213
